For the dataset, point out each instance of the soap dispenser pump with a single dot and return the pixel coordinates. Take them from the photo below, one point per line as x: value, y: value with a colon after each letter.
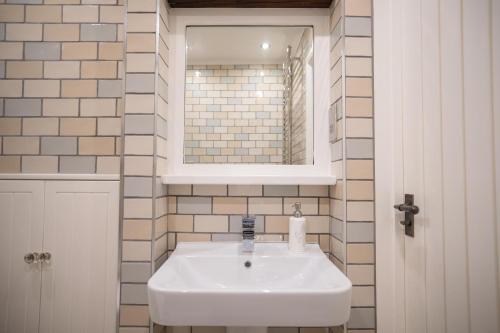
x: 297, y: 230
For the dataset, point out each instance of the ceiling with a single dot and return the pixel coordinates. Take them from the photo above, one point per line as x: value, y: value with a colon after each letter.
x: 240, y: 45
x: 250, y: 3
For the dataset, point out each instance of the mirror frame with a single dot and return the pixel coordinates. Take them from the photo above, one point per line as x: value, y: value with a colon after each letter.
x: 180, y: 20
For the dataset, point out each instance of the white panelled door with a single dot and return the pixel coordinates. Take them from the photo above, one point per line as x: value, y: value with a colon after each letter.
x: 436, y: 75
x: 81, y: 233
x: 21, y: 228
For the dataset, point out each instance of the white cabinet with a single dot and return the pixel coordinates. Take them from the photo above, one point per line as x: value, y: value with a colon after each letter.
x: 77, y: 223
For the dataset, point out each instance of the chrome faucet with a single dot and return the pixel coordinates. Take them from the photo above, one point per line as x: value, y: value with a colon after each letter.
x: 248, y: 233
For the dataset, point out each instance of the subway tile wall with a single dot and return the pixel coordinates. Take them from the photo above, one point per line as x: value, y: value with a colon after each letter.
x: 60, y: 86
x: 233, y: 114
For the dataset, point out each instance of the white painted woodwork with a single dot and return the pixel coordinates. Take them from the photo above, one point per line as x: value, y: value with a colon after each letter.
x: 81, y: 232
x: 437, y: 88
x: 59, y: 176
x: 21, y: 223
x: 250, y: 180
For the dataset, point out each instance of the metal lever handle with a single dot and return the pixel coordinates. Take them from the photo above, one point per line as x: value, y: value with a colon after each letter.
x: 410, y: 210
x: 45, y: 257
x: 32, y: 258
x: 407, y: 208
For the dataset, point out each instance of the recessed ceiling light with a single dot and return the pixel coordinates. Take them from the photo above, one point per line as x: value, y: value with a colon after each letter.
x: 265, y: 45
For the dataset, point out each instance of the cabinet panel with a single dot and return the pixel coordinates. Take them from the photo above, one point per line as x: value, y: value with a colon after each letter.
x: 79, y: 286
x: 21, y: 223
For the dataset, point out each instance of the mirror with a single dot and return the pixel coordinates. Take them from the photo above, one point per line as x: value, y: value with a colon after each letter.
x: 249, y: 95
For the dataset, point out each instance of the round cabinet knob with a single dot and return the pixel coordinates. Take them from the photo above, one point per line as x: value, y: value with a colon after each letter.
x: 31, y: 258
x: 45, y: 257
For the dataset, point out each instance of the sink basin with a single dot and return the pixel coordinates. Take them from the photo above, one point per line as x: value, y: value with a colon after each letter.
x: 215, y: 284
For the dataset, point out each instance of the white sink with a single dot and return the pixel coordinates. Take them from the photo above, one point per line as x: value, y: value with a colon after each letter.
x: 207, y: 284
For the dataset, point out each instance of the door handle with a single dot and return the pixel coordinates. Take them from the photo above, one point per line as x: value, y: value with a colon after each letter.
x: 45, y: 257
x: 410, y: 211
x: 32, y: 258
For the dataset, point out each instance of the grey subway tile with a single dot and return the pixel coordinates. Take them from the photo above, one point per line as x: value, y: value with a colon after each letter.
x: 135, y: 272
x: 1, y: 107
x: 336, y: 228
x: 281, y: 190
x: 360, y: 232
x: 134, y: 293
x: 28, y: 2
x: 139, y: 124
x: 59, y: 146
x: 98, y: 32
x: 2, y: 69
x: 109, y: 88
x: 42, y: 50
x: 262, y: 159
x: 140, y: 83
x: 336, y: 150
x: 23, y: 107
x: 358, y: 26
x: 138, y: 187
x: 362, y: 318
x: 2, y: 31
x: 194, y: 205
x: 359, y: 148
x: 77, y: 164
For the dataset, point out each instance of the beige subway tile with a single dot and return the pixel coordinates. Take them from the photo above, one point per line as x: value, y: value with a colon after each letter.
x: 61, y: 69
x: 11, y: 88
x: 111, y: 51
x: 137, y: 229
x: 359, y: 128
x: 360, y: 211
x: 24, y: 70
x: 191, y: 237
x: 360, y: 190
x: 324, y: 206
x: 99, y: 107
x: 245, y: 190
x: 81, y: 14
x: 109, y: 126
x: 139, y: 103
x: 11, y: 50
x: 138, y: 165
x: 358, y: 46
x: 61, y: 32
x: 41, y: 88
x: 359, y: 169
x: 358, y: 7
x: 79, y: 88
x: 211, y: 223
x: 99, y: 69
x: 363, y: 296
x: 137, y: 208
x: 359, y: 107
x: 138, y: 145
x: 108, y: 164
x: 265, y: 206
x: 16, y: 145
x: 40, y: 126
x: 112, y: 14
x: 141, y: 62
x: 358, y: 66
x: 134, y: 315
x: 60, y: 107
x: 208, y: 329
x: 361, y: 274
x: 78, y: 126
x: 10, y: 126
x: 40, y: 164
x: 172, y: 205
x: 277, y: 224
x: 324, y: 242
x: 141, y: 6
x: 136, y: 251
x: 11, y: 13
x: 79, y: 51
x: 141, y: 22
x: 96, y: 146
x: 10, y: 164
x: 308, y: 205
x: 313, y: 190
x: 180, y: 223
x: 360, y: 253
x: 229, y: 205
x: 43, y: 14
x: 141, y: 42
x: 210, y: 190
x: 23, y: 32
x: 359, y: 87
x: 317, y: 224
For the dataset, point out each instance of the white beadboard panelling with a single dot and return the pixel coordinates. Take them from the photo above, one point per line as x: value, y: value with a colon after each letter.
x: 21, y: 223
x: 81, y: 232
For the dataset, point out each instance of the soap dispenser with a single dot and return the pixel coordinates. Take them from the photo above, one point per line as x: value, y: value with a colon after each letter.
x: 297, y: 231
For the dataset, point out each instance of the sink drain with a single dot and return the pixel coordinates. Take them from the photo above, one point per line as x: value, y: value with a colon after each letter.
x: 248, y: 264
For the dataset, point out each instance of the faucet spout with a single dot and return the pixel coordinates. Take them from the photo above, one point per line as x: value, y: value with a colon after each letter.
x: 248, y: 234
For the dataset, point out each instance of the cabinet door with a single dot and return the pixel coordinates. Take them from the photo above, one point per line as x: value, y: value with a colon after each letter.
x: 21, y: 223
x: 79, y: 285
